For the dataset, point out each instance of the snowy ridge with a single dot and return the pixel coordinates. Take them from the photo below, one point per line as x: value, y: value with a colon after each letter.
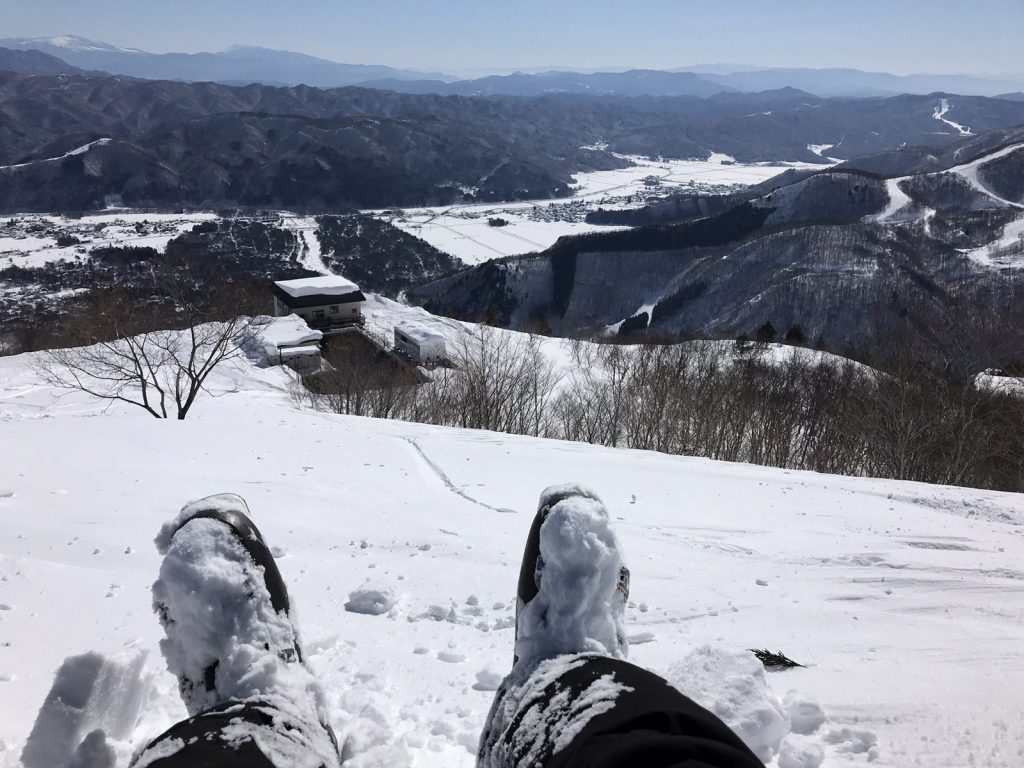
x: 877, y: 586
x: 78, y: 151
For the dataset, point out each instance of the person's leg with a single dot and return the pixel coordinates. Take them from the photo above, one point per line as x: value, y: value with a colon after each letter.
x: 233, y: 645
x: 572, y: 700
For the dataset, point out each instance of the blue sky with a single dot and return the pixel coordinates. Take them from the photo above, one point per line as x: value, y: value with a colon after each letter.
x: 901, y: 36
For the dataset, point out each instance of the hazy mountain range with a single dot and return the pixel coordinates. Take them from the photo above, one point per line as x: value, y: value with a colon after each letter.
x: 72, y: 142
x: 235, y: 65
x: 243, y: 65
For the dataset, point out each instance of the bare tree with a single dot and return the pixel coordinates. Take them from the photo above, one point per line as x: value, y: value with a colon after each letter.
x: 157, y: 356
x: 162, y: 372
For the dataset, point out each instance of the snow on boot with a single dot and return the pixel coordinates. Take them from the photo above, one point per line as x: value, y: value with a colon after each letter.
x: 230, y: 634
x: 573, y: 586
x: 572, y: 593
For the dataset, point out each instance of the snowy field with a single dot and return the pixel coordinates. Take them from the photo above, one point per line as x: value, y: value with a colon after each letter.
x: 464, y: 230
x: 30, y: 240
x: 905, y: 601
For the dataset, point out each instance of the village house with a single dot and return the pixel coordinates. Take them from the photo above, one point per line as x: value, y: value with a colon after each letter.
x: 419, y: 343
x: 328, y: 303
x: 290, y: 342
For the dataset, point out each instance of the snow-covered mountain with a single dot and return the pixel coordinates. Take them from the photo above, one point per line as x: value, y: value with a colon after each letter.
x: 902, y: 599
x: 839, y: 254
x: 67, y: 44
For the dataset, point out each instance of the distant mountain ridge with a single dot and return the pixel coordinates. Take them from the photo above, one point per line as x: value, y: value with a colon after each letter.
x: 636, y: 82
x: 857, y: 83
x: 72, y: 142
x: 236, y: 65
x: 32, y: 62
x: 241, y: 65
x: 825, y: 83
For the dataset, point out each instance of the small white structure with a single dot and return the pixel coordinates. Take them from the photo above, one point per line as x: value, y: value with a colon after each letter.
x: 419, y: 342
x: 289, y: 341
x: 329, y: 302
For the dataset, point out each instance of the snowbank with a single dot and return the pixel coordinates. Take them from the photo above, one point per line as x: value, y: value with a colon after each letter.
x: 734, y: 685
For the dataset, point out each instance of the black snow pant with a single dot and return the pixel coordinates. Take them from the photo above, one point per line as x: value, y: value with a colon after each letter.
x: 206, y: 741
x: 653, y: 726
x: 650, y: 726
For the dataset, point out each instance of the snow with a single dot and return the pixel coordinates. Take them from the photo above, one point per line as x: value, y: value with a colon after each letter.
x: 67, y: 717
x: 308, y: 231
x: 970, y: 171
x: 902, y: 598
x: 328, y: 285
x: 463, y: 230
x: 275, y: 334
x: 901, y: 207
x: 21, y: 245
x: 898, y: 200
x: 372, y: 598
x: 578, y: 608
x: 733, y: 685
x: 940, y: 115
x: 720, y: 158
x: 1006, y: 251
x: 805, y: 713
x: 420, y: 333
x: 800, y: 752
x: 76, y: 43
x: 77, y: 151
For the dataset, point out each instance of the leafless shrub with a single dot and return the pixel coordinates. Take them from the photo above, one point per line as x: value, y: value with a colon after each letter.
x: 155, y: 354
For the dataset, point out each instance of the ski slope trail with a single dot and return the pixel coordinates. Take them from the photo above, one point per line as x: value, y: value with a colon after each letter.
x: 307, y: 229
x: 970, y: 171
x: 940, y: 114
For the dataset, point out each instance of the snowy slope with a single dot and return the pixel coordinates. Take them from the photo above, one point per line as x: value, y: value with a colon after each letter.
x: 904, y: 600
x: 901, y: 206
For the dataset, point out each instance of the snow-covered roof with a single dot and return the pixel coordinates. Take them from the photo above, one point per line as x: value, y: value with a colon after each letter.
x: 419, y: 333
x: 287, y: 331
x: 326, y: 285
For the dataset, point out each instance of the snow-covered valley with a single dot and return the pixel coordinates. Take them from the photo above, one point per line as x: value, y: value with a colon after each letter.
x: 903, y: 600
x: 468, y: 231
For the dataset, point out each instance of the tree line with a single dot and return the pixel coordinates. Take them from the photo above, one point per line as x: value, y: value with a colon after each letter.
x: 735, y: 401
